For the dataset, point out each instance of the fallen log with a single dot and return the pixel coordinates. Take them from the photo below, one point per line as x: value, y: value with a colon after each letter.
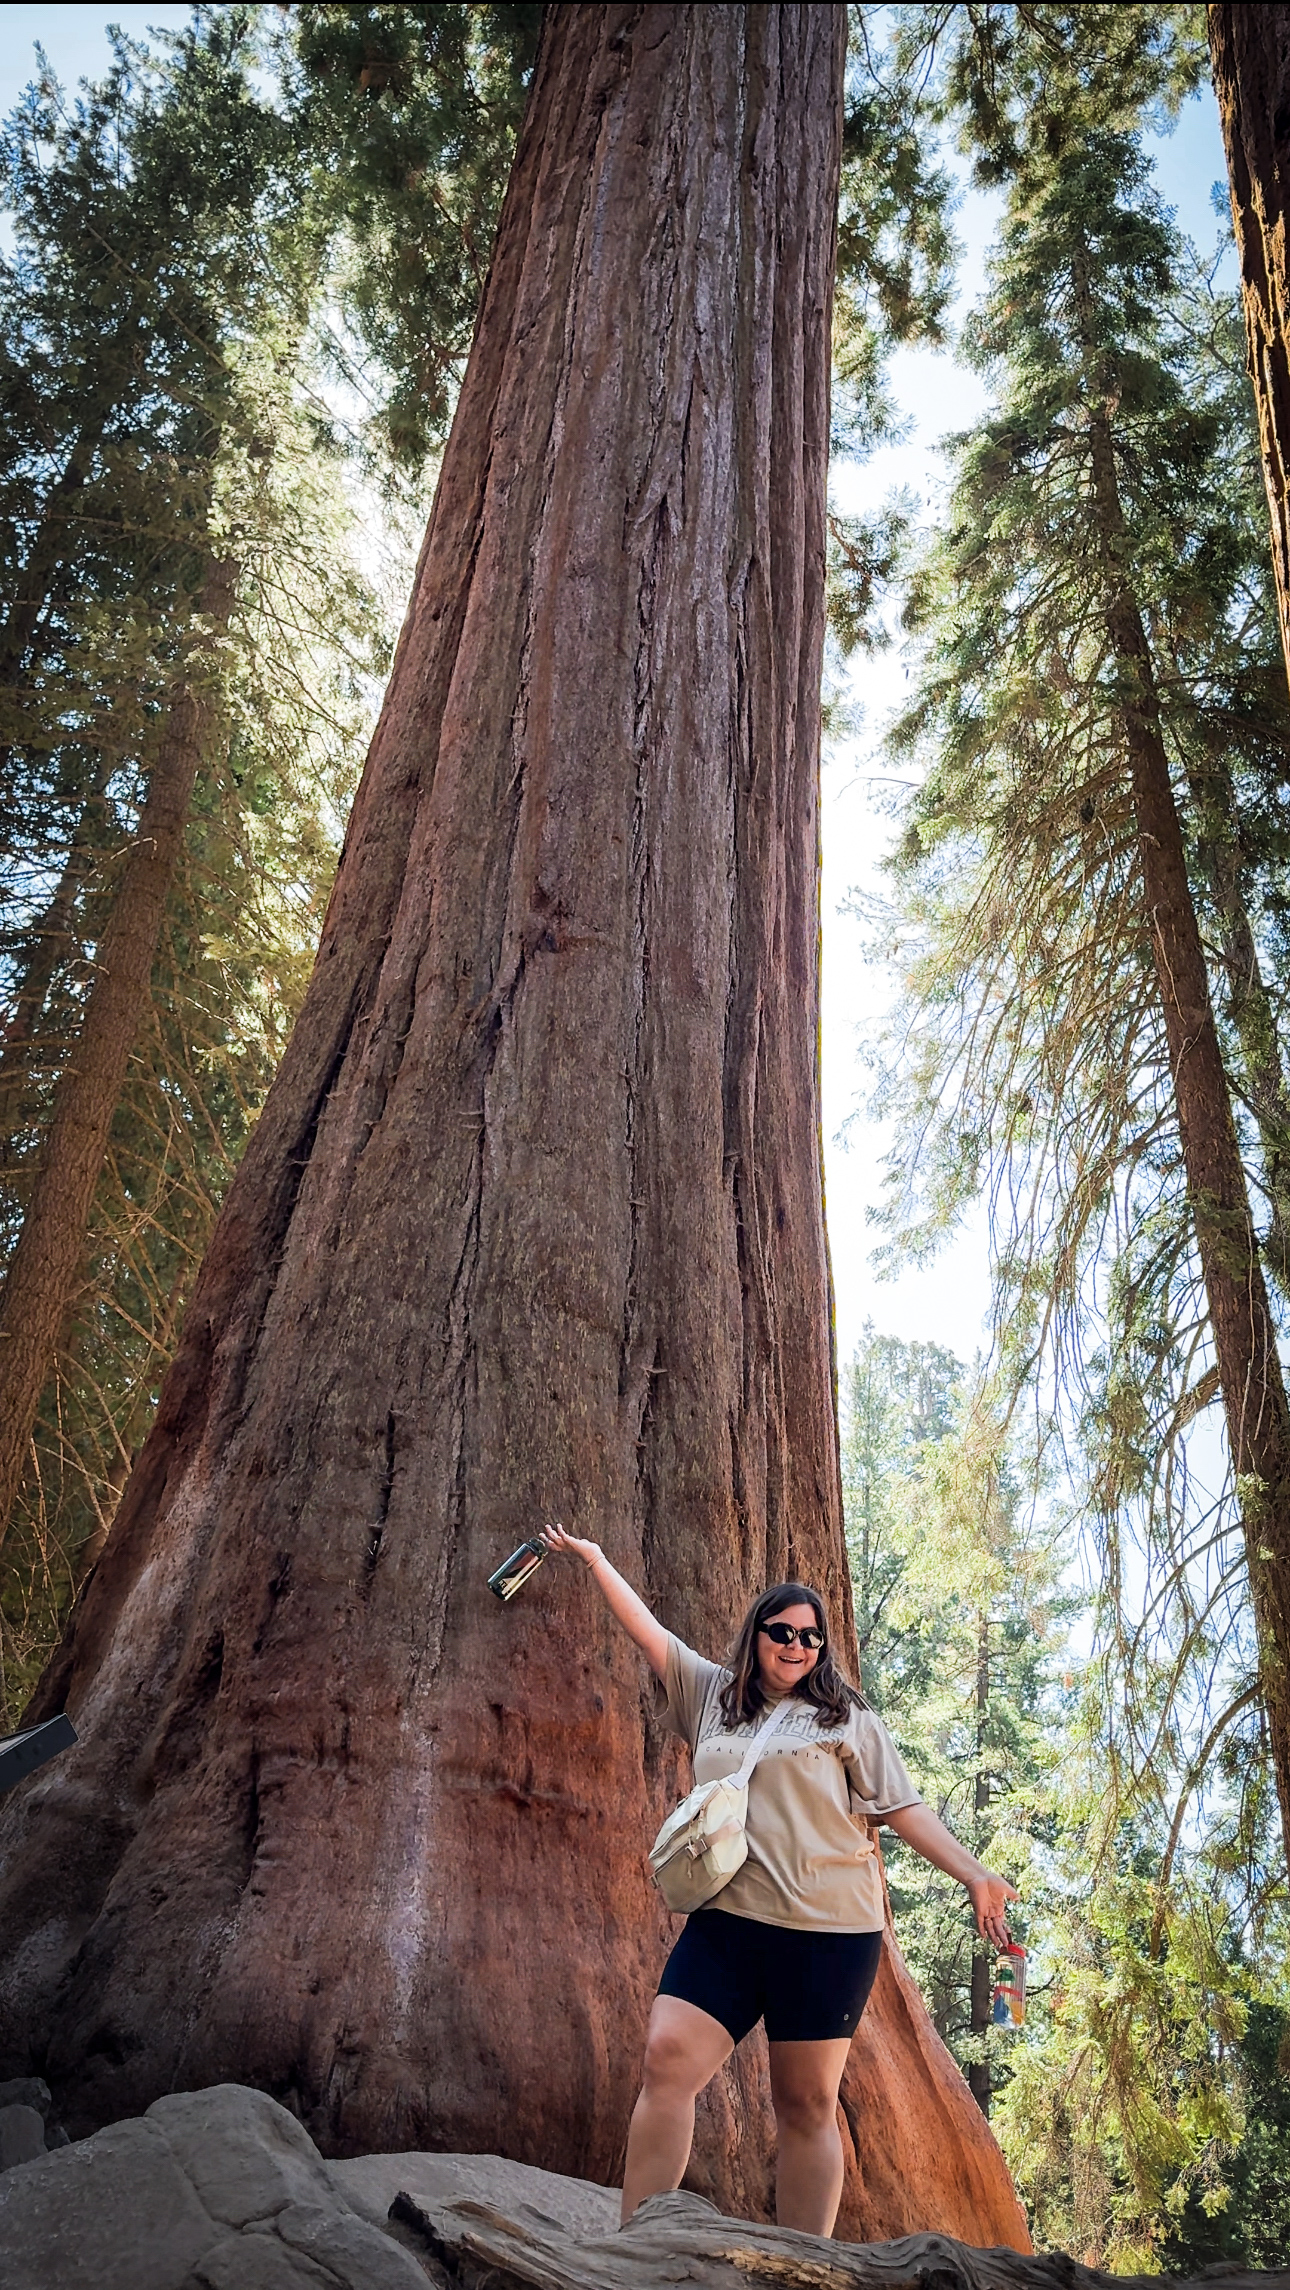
x: 682, y: 2239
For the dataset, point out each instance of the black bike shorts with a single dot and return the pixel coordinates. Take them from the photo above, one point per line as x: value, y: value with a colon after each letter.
x: 809, y: 1987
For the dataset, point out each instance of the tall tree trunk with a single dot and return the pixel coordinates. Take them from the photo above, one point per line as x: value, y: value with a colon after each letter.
x: 1250, y: 54
x: 50, y: 548
x: 46, y: 556
x: 1262, y: 1079
x: 982, y: 1987
x: 46, y: 1259
x: 50, y: 936
x: 1249, y: 1366
x: 530, y: 1227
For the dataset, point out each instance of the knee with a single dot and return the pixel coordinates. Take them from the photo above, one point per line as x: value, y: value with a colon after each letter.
x: 807, y: 2111
x: 668, y: 2066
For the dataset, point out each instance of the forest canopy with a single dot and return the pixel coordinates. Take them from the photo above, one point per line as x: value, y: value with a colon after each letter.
x: 241, y: 279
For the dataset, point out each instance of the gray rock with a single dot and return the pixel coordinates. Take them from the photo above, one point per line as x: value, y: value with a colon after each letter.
x: 259, y: 2262
x: 573, y: 2206
x: 22, y: 2136
x: 114, y: 2212
x: 242, y: 2153
x: 359, y: 2251
x: 26, y: 2091
x: 211, y: 2190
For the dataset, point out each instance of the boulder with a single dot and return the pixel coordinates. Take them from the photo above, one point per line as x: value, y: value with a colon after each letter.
x: 210, y: 2190
x: 22, y: 2136
x: 30, y: 2093
x: 114, y: 2212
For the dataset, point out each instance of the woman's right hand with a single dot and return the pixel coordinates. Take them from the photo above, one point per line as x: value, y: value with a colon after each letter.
x: 573, y: 1546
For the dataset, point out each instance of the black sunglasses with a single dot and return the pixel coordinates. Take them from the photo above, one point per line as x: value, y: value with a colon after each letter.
x: 787, y: 1634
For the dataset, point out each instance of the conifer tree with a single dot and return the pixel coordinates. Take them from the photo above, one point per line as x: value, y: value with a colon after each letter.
x: 123, y: 378
x: 1084, y: 684
x: 405, y: 117
x: 959, y: 1622
x: 1136, y: 2106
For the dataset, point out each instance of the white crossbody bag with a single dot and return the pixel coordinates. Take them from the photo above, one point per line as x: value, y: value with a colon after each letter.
x: 701, y: 1845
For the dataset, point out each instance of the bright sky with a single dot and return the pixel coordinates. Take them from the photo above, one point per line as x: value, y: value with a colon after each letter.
x: 946, y: 1302
x: 74, y: 39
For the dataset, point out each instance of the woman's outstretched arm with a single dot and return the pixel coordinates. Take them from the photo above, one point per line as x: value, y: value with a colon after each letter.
x: 618, y: 1595
x: 988, y: 1893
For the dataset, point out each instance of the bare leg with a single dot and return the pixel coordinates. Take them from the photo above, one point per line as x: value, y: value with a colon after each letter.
x: 804, y: 2079
x: 683, y: 2051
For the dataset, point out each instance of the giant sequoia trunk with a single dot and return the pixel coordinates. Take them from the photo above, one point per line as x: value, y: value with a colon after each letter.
x: 1250, y: 53
x: 530, y: 1227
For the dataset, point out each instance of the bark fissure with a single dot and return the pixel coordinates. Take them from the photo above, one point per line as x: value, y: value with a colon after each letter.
x: 385, y: 1488
x: 633, y: 1376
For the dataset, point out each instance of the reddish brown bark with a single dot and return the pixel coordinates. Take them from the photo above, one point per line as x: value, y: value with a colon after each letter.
x: 1250, y: 54
x: 42, y: 1272
x: 981, y: 1992
x: 531, y: 1226
x: 1260, y: 1079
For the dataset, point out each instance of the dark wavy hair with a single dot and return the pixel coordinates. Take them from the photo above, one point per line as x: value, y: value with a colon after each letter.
x: 823, y: 1686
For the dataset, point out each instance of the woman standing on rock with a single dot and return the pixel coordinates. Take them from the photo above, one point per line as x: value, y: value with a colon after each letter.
x: 795, y: 1936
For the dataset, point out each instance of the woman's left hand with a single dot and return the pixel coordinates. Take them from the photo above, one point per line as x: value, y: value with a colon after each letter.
x: 989, y: 1895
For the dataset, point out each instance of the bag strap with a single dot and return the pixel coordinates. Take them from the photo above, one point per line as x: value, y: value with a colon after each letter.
x: 759, y: 1740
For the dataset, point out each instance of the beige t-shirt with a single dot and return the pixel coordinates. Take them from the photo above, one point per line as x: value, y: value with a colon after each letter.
x: 815, y: 1790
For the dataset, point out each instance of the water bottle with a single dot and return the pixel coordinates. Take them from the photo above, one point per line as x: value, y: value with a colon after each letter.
x: 1010, y: 1987
x: 514, y: 1572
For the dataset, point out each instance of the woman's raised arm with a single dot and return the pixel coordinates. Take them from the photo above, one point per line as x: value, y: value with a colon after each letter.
x: 988, y: 1893
x: 618, y: 1595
